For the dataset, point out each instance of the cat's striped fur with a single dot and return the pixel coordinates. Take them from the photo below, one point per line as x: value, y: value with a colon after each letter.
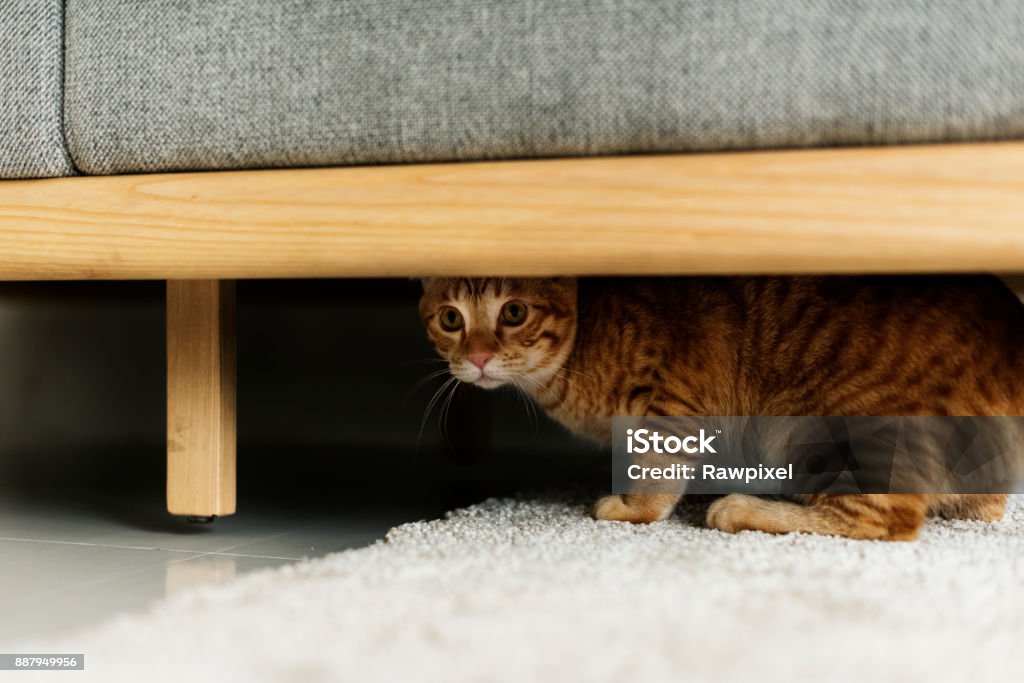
x: 594, y: 348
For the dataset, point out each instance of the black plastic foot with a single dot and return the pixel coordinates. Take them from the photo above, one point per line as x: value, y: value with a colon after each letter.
x: 201, y: 519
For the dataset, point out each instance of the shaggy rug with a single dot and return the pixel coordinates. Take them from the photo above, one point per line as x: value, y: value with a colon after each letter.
x: 532, y: 589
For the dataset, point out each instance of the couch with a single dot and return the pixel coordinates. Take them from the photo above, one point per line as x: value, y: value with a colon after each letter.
x: 202, y: 141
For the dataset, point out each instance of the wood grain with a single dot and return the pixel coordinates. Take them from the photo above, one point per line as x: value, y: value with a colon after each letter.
x: 201, y: 397
x: 925, y: 208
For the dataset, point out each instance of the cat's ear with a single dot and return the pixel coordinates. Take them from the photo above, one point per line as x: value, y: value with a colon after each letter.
x: 427, y: 282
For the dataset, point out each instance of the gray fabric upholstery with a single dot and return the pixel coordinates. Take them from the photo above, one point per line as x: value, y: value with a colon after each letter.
x: 31, y: 46
x: 194, y: 84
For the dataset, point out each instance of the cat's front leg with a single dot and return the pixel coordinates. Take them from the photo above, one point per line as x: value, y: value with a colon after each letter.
x: 887, y: 517
x: 639, y: 508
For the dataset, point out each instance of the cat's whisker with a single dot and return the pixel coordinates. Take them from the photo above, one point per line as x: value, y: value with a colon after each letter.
x: 558, y: 401
x: 442, y: 417
x: 562, y: 372
x: 517, y: 392
x: 568, y: 380
x: 565, y: 369
x: 528, y: 402
x: 430, y: 406
x: 420, y: 383
x: 531, y: 410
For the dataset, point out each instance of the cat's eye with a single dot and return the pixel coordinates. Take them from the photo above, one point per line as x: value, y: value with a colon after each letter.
x: 450, y: 318
x: 513, y: 313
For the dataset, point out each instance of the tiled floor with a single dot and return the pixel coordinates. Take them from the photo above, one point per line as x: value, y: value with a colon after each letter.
x: 66, y: 563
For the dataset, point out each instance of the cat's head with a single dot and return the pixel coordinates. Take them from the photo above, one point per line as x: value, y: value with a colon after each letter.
x: 497, y: 331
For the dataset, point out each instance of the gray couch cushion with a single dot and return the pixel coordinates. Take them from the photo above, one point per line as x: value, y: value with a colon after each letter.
x: 189, y: 84
x: 31, y: 46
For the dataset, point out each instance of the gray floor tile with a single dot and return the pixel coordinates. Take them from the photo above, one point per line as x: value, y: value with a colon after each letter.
x: 326, y: 536
x: 72, y: 608
x: 67, y: 563
x: 30, y: 569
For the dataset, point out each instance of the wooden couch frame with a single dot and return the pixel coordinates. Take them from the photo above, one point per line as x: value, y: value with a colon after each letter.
x: 932, y: 208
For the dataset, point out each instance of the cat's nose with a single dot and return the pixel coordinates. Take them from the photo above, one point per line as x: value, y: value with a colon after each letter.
x: 480, y: 359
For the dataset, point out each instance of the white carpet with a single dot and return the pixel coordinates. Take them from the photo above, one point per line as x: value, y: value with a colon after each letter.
x: 524, y: 590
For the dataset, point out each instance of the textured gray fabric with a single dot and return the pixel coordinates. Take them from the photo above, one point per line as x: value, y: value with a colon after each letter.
x: 194, y: 84
x: 31, y: 46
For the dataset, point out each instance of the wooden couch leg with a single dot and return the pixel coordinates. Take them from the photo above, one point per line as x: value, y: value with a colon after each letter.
x: 201, y: 398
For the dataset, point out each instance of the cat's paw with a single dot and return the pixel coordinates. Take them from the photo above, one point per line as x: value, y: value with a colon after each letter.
x: 612, y: 509
x: 735, y: 512
x: 639, y: 509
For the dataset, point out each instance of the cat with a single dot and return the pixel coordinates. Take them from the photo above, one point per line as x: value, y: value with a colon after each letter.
x: 591, y: 348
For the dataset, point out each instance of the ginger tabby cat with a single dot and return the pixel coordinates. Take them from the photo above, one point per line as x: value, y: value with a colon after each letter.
x: 588, y: 349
